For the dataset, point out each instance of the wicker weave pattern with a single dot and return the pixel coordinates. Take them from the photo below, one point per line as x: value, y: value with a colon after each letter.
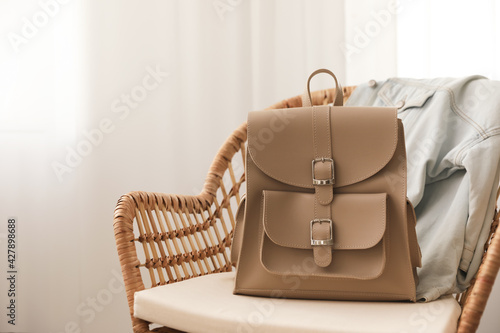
x: 165, y: 238
x: 473, y: 300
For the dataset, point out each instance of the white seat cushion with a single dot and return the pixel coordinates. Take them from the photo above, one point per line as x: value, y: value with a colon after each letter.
x: 207, y: 304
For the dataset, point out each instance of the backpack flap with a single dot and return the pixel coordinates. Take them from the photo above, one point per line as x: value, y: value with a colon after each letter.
x: 280, y: 142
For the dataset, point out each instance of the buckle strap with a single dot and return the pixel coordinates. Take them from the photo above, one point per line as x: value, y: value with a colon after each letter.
x: 323, y: 178
x: 322, y: 241
x: 323, y: 173
x: 328, y: 169
x: 325, y: 239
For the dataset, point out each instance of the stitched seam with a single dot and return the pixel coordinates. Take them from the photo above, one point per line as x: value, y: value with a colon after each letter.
x: 453, y: 103
x: 329, y: 188
x: 237, y: 226
x: 328, y: 255
x: 421, y: 101
x: 463, y: 114
x: 315, y: 209
x: 325, y: 292
x: 463, y: 152
x: 469, y: 248
x: 327, y: 130
x: 387, y: 243
x: 413, y: 242
x: 329, y: 276
x: 249, y: 154
x: 360, y: 246
x: 315, y: 154
x: 319, y: 188
x: 415, y: 84
x: 242, y: 248
x: 409, y: 268
x: 460, y: 154
x: 315, y: 132
x: 261, y: 232
x: 416, y: 104
x: 382, y: 94
x: 322, y: 262
x: 493, y: 131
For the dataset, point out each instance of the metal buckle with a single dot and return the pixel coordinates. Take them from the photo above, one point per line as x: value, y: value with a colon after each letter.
x: 329, y: 241
x: 330, y: 181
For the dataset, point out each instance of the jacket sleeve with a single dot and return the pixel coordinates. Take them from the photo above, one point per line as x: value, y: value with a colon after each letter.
x: 482, y: 163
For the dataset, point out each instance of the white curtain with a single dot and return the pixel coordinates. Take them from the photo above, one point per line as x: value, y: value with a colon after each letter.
x: 448, y: 38
x: 102, y: 98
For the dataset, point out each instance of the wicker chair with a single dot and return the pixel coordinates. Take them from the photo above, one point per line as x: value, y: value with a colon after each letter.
x: 166, y: 238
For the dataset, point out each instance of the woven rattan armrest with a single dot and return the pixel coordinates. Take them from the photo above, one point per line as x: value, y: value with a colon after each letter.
x: 178, y: 235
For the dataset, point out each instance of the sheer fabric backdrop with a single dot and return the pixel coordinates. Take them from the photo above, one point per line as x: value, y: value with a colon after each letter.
x: 102, y: 98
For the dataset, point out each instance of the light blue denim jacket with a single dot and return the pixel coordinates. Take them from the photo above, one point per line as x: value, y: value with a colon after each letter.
x: 452, y: 132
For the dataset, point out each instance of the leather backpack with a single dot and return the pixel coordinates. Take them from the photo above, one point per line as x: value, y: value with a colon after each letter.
x: 326, y: 214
